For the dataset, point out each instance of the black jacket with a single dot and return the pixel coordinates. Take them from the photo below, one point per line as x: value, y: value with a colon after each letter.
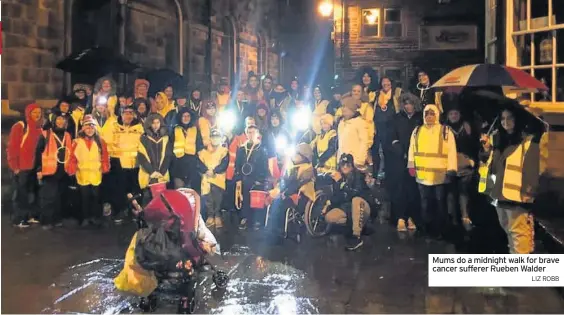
x: 349, y: 187
x: 258, y: 160
x: 403, y: 127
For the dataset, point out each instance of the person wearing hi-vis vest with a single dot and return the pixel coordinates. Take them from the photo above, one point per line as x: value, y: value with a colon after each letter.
x: 20, y: 153
x: 89, y: 160
x: 510, y: 175
x: 126, y: 135
x: 212, y: 164
x: 187, y: 142
x: 325, y: 147
x: 154, y: 155
x: 432, y: 160
x: 51, y: 158
x: 251, y: 168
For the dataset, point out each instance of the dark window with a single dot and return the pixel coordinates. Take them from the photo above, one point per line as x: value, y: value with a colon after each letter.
x: 392, y: 23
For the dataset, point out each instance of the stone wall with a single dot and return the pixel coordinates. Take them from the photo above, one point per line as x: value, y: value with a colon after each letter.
x: 33, y: 43
x: 34, y: 38
x: 394, y: 54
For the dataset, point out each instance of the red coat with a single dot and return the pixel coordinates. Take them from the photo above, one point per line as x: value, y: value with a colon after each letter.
x: 23, y: 141
x: 235, y: 144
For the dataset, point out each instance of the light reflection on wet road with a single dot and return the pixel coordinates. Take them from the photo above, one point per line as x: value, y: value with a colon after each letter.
x: 61, y: 271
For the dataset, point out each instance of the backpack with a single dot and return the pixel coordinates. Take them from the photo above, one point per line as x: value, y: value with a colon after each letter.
x: 159, y: 248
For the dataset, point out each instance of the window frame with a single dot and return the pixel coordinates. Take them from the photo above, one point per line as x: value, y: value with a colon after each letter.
x: 378, y: 23
x: 385, y: 22
x: 491, y: 30
x: 402, y: 74
x: 512, y: 49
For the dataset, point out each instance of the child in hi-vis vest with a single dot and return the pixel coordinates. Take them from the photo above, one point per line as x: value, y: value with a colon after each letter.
x: 89, y: 159
x: 212, y: 164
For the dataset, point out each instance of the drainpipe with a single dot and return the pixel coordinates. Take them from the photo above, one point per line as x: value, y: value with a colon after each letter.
x: 209, y: 46
x: 180, y: 38
x: 121, y: 36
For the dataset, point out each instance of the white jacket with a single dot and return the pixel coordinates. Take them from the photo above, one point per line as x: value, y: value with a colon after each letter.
x: 353, y: 139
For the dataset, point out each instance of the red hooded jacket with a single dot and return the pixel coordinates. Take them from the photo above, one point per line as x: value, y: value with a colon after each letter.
x: 22, y: 142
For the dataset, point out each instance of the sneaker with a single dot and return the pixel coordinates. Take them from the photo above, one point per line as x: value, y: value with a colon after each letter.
x: 59, y: 224
x: 33, y: 221
x: 257, y: 226
x: 47, y: 227
x: 85, y: 223
x: 401, y: 225
x: 218, y: 223
x: 22, y: 224
x: 467, y: 223
x: 354, y: 244
x: 210, y: 222
x: 243, y: 224
x: 411, y: 225
x: 107, y: 209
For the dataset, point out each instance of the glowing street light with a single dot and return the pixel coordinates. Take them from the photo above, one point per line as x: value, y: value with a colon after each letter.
x: 326, y: 8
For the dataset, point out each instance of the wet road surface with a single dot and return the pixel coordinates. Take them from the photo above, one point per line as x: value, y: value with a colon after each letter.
x: 70, y: 270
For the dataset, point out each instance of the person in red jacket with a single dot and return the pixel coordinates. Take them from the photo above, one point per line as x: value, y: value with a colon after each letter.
x: 89, y: 160
x: 51, y: 158
x: 20, y: 153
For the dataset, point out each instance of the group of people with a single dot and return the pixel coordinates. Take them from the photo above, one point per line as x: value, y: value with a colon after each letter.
x: 102, y: 146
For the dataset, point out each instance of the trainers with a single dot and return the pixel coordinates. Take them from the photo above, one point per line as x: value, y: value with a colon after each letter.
x: 107, y: 209
x: 33, y: 221
x: 467, y: 223
x: 22, y: 224
x: 218, y: 223
x: 411, y: 225
x: 256, y: 226
x: 59, y: 224
x: 243, y: 224
x: 118, y: 221
x: 47, y: 227
x: 354, y: 244
x: 210, y: 222
x: 401, y: 225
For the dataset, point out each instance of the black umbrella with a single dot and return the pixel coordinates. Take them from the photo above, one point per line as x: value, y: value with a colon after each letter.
x: 161, y: 78
x: 489, y: 104
x: 96, y: 61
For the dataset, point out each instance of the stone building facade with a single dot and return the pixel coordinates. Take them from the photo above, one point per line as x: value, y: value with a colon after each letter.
x: 386, y: 35
x: 156, y: 34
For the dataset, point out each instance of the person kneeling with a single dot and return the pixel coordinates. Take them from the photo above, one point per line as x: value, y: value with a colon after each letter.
x: 349, y: 200
x: 297, y: 188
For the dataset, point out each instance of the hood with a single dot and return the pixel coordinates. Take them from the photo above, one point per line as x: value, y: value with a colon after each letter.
x: 56, y: 114
x: 193, y: 115
x: 145, y: 101
x: 149, y: 121
x: 98, y: 84
x: 433, y: 108
x: 28, y: 109
x: 57, y: 108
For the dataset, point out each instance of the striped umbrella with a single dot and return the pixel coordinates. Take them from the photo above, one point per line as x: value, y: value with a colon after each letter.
x: 512, y: 80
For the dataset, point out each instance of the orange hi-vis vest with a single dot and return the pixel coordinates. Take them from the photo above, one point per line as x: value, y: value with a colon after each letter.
x: 89, y: 163
x: 49, y: 157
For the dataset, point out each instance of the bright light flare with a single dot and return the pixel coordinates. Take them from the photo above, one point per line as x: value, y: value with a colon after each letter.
x: 227, y: 120
x: 301, y: 119
x: 102, y: 100
x: 326, y: 8
x: 281, y: 144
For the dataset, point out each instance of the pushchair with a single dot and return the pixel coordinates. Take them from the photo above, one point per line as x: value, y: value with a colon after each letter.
x: 170, y: 238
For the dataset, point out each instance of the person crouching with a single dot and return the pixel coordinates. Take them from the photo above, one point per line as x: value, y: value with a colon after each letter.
x: 51, y: 158
x: 349, y: 201
x: 212, y: 164
x: 89, y: 159
x: 154, y: 155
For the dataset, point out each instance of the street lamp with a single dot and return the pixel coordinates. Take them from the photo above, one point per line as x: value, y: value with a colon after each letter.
x: 326, y: 8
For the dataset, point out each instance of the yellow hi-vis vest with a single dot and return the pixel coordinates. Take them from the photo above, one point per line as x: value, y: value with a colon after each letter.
x: 485, y: 184
x: 298, y: 171
x: 185, y: 141
x: 322, y: 143
x: 125, y: 144
x: 319, y: 110
x: 89, y: 163
x: 144, y: 177
x: 431, y: 156
x: 211, y: 160
x: 513, y: 173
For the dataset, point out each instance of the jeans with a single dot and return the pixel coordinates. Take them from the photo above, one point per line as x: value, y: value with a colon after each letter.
x: 435, y: 219
x: 25, y: 189
x: 52, y: 195
x: 90, y: 205
x: 458, y: 197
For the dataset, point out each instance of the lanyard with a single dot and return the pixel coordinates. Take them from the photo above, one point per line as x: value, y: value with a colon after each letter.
x: 249, y: 152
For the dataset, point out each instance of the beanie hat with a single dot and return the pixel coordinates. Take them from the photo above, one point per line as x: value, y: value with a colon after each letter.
x: 346, y: 159
x: 351, y: 103
x: 305, y: 150
x: 88, y: 120
x: 328, y: 118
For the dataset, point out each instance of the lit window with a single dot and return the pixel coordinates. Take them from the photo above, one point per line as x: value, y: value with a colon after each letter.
x: 538, y: 38
x: 371, y: 22
x: 392, y: 23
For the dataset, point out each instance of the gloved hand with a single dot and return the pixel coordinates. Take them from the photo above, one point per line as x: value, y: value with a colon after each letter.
x: 412, y: 171
x: 239, y: 195
x: 154, y: 175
